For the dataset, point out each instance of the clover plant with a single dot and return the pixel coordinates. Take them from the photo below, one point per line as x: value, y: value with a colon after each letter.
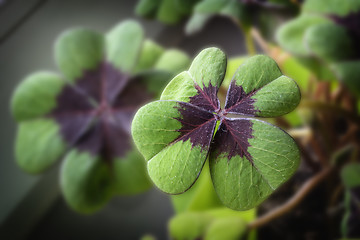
x: 215, y: 223
x: 84, y: 116
x: 248, y: 158
x: 325, y: 38
x: 201, y: 11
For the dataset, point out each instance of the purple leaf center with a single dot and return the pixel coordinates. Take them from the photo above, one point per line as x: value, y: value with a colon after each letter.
x: 199, y: 116
x: 95, y: 113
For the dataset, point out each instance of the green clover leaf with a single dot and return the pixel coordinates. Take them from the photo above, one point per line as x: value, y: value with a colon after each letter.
x: 248, y: 158
x: 217, y: 223
x: 325, y: 37
x: 201, y: 11
x: 85, y: 117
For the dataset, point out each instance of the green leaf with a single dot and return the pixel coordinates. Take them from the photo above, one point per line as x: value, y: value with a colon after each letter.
x: 331, y: 6
x: 168, y: 12
x: 36, y: 95
x: 317, y: 67
x: 189, y: 226
x: 231, y: 228
x: 294, y: 69
x: 277, y: 98
x: 235, y: 10
x: 155, y: 80
x: 256, y: 72
x: 243, y: 182
x: 349, y: 72
x: 210, y: 6
x: 196, y: 22
x: 173, y: 61
x: 185, y: 6
x: 147, y: 8
x: 86, y: 182
x: 150, y: 54
x: 201, y: 196
x: 263, y: 83
x: 317, y: 40
x: 350, y: 175
x: 210, y: 223
x: 38, y: 145
x: 154, y: 129
x: 180, y: 88
x: 130, y: 174
x: 123, y: 45
x: 223, y: 212
x: 290, y: 36
x: 77, y: 51
x: 208, y: 67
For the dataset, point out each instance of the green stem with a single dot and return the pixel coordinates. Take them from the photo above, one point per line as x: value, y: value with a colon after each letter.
x: 249, y: 41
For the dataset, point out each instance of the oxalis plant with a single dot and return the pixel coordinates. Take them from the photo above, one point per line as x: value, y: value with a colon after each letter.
x: 248, y: 157
x: 84, y: 116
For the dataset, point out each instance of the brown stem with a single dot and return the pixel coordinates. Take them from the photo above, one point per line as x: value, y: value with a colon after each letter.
x: 292, y: 202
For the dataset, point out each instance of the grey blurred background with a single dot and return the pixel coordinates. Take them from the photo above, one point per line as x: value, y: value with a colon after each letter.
x: 31, y: 207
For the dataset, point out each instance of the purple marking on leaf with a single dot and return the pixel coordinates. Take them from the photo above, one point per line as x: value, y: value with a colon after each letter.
x: 71, y: 100
x: 105, y: 139
x: 206, y: 98
x: 104, y: 83
x: 134, y: 95
x: 238, y: 102
x: 73, y: 125
x: 95, y: 113
x: 352, y: 23
x: 115, y: 82
x: 197, y: 125
x: 232, y: 138
x: 124, y: 117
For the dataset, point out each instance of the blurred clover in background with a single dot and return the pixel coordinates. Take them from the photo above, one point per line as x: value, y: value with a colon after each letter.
x: 84, y: 116
x: 325, y: 38
x: 266, y: 14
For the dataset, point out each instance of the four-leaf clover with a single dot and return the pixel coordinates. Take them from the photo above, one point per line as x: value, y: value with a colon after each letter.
x: 248, y: 158
x: 85, y: 117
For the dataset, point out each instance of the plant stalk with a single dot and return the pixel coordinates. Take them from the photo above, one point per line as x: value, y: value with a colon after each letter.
x: 283, y: 209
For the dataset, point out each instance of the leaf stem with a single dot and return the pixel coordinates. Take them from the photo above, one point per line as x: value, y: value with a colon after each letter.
x: 249, y: 42
x: 260, y: 40
x: 300, y: 132
x: 283, y: 209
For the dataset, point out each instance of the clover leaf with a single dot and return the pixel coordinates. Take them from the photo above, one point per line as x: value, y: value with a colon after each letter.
x: 201, y: 11
x: 215, y: 223
x: 85, y: 117
x: 248, y: 158
x: 325, y: 37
